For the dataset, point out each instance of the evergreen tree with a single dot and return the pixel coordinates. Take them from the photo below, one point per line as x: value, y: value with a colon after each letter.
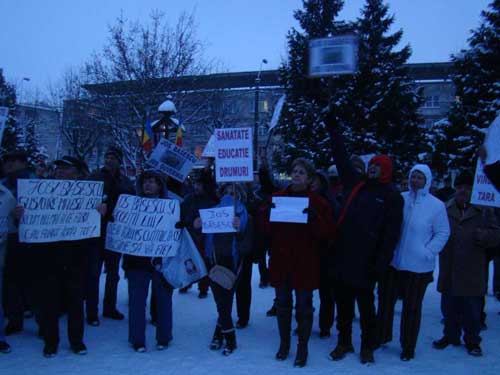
x: 384, y: 101
x: 301, y: 127
x: 8, y: 99
x: 477, y: 82
x: 378, y: 105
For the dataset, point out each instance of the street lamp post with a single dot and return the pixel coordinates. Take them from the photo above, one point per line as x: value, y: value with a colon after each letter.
x: 256, y: 117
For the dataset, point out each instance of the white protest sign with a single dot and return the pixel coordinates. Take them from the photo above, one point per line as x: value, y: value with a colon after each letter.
x: 289, y: 210
x: 234, y: 156
x: 144, y: 227
x: 59, y: 210
x: 171, y: 160
x: 217, y: 220
x: 4, y: 116
x: 209, y: 150
x: 334, y: 55
x: 492, y: 142
x: 483, y: 191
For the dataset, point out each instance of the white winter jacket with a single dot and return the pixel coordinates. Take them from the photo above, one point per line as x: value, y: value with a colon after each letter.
x: 425, y: 228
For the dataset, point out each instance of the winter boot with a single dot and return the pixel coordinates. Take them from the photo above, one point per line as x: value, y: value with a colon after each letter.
x: 304, y: 327
x: 217, y: 339
x: 284, y: 327
x: 230, y: 345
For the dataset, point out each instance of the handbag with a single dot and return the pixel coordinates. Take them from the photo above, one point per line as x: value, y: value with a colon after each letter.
x: 222, y: 276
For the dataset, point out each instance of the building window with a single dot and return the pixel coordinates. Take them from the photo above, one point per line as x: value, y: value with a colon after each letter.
x: 262, y: 131
x: 231, y: 108
x: 431, y: 101
x: 263, y: 106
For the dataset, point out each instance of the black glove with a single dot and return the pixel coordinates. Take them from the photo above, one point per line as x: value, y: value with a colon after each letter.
x: 311, y: 214
x: 180, y: 225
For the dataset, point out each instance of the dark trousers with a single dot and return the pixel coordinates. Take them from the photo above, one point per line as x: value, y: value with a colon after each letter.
x: 17, y: 281
x: 67, y: 284
x: 411, y: 286
x: 326, y: 300
x: 244, y: 290
x: 263, y: 270
x: 204, y: 283
x: 138, y: 287
x: 345, y: 296
x: 303, y: 299
x: 111, y: 260
x: 496, y: 274
x: 224, y: 302
x: 462, y: 314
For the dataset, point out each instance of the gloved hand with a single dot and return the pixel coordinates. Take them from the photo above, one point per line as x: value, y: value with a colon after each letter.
x: 180, y: 225
x: 311, y: 214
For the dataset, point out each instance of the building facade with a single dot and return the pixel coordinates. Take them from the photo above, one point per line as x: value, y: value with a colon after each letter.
x: 229, y: 100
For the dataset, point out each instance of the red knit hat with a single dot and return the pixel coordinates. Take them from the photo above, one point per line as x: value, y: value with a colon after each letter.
x: 385, y: 164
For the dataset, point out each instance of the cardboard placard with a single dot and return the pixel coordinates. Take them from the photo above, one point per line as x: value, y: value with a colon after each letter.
x: 59, y: 210
x: 144, y: 227
x: 234, y: 155
x: 171, y: 160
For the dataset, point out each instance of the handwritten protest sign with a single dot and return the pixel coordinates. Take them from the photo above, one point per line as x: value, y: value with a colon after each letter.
x: 171, y: 160
x: 289, y: 210
x: 234, y: 156
x: 217, y: 220
x: 59, y: 210
x: 483, y: 191
x: 144, y: 227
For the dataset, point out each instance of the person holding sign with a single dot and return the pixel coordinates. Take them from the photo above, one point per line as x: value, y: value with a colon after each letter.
x: 463, y: 267
x: 225, y: 252
x: 140, y: 271
x: 294, y: 265
x: 59, y: 275
x: 115, y: 183
x: 368, y: 230
x: 202, y: 197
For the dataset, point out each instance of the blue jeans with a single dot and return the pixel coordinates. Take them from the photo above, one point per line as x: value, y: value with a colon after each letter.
x: 138, y: 286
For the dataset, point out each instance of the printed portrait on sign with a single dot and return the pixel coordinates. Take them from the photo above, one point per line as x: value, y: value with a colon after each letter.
x: 190, y: 267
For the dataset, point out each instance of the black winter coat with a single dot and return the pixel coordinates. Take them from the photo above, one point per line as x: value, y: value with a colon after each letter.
x: 366, y: 238
x: 113, y: 187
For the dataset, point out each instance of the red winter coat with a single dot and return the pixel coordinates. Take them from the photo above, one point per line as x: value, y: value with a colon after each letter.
x: 295, y: 248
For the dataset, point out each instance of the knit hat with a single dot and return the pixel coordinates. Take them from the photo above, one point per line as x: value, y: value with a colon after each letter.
x: 116, y: 152
x: 385, y: 164
x: 464, y: 178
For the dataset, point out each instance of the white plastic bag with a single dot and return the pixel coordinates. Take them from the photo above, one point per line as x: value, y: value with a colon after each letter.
x: 185, y: 268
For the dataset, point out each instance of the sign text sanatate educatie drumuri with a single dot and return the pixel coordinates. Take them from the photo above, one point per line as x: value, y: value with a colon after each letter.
x: 234, y: 155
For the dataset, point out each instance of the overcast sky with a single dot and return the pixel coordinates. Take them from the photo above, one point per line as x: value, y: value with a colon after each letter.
x: 40, y: 39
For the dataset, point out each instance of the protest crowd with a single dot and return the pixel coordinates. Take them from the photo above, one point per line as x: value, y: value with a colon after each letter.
x: 352, y: 232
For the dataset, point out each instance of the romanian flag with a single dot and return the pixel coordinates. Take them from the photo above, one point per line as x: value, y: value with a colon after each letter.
x: 147, y: 138
x: 178, y: 136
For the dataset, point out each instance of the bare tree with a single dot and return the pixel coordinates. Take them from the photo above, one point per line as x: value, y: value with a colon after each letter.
x: 138, y: 67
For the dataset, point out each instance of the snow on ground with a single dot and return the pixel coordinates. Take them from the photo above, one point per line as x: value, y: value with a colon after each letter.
x: 194, y: 319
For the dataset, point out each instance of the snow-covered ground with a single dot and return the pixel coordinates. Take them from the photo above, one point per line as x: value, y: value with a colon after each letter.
x: 194, y: 319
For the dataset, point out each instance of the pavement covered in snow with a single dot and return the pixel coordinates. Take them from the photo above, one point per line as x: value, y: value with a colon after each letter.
x: 194, y: 319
